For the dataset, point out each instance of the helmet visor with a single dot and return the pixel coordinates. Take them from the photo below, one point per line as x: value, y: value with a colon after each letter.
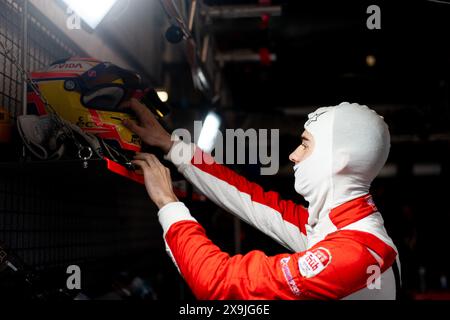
x: 104, y: 97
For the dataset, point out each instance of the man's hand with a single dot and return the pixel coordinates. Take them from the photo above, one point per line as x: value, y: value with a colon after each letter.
x: 157, y: 179
x: 149, y: 129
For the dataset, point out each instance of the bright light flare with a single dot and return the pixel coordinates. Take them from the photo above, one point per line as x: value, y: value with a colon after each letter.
x: 209, y: 132
x: 91, y: 11
x: 163, y: 95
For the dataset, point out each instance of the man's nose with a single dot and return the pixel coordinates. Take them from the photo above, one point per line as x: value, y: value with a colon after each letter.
x: 294, y: 158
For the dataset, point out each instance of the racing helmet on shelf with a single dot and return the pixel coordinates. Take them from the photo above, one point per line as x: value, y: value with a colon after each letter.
x: 88, y: 92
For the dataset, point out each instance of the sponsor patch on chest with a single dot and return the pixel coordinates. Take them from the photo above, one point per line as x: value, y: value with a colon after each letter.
x: 314, y: 262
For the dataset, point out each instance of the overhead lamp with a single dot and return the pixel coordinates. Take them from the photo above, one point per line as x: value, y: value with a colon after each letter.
x: 209, y: 132
x: 163, y: 95
x: 371, y: 60
x: 200, y: 79
x: 91, y: 11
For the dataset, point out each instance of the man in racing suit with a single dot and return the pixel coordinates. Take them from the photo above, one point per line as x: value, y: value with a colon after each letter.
x: 339, y: 246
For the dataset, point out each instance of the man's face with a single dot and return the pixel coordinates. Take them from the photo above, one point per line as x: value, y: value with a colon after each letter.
x: 305, y: 148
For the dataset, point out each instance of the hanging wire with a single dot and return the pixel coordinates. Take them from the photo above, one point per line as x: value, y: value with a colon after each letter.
x: 55, y: 117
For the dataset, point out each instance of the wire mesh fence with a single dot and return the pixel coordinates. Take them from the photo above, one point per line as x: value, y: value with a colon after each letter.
x: 46, y: 44
x: 11, y: 35
x: 53, y: 221
x: 55, y: 216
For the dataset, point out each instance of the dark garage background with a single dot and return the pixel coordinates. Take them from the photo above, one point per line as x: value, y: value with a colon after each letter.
x: 269, y: 64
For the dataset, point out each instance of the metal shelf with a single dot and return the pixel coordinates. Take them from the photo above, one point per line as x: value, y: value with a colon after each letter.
x: 59, y: 164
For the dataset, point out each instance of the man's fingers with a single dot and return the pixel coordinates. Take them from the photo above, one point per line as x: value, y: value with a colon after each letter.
x: 125, y: 105
x: 142, y: 156
x: 128, y: 104
x: 142, y: 112
x: 152, y: 160
x: 133, y: 126
x: 141, y: 164
x: 168, y: 173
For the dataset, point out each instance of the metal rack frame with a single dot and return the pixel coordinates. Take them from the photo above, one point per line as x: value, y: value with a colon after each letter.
x: 35, y: 35
x: 53, y: 215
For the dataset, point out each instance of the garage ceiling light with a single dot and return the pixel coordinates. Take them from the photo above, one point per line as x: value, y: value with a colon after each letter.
x: 209, y: 132
x: 163, y: 95
x: 91, y: 11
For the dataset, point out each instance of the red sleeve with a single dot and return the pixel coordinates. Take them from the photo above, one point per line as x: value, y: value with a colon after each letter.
x: 282, y: 220
x: 332, y: 269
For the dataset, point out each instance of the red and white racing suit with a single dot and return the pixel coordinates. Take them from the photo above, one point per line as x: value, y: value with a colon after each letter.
x: 338, y: 258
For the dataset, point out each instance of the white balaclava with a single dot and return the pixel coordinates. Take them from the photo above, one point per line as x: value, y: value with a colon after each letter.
x: 352, y: 143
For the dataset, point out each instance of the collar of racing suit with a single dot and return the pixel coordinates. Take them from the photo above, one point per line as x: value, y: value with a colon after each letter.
x: 352, y: 144
x: 352, y: 211
x: 368, y: 231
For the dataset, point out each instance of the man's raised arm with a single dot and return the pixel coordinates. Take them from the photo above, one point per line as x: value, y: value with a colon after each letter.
x: 282, y: 220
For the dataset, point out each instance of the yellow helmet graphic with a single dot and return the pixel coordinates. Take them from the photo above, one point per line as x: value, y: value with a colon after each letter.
x: 88, y: 93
